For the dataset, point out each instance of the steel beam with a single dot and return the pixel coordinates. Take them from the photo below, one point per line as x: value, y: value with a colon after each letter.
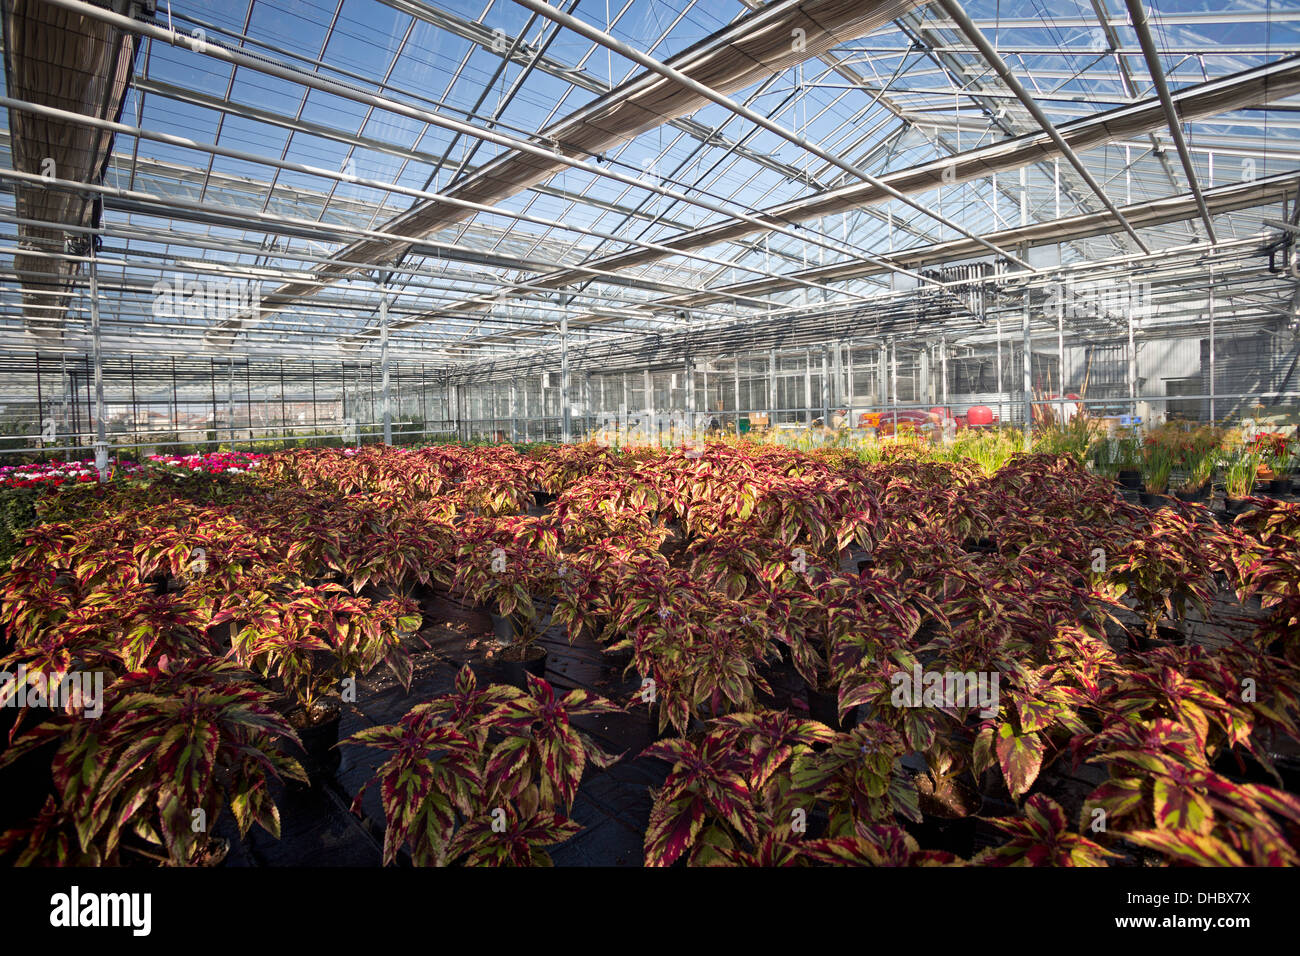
x: 1138, y: 17
x: 994, y: 59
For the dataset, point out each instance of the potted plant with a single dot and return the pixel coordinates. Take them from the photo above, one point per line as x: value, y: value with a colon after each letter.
x: 1127, y: 452
x: 1157, y: 464
x: 501, y: 563
x: 176, y: 746
x: 1280, y: 463
x: 1200, y: 472
x: 729, y: 797
x: 483, y: 776
x: 311, y: 641
x: 1163, y: 570
x: 1239, y: 479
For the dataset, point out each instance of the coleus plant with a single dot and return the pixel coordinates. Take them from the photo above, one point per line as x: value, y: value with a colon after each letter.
x: 501, y: 562
x: 1166, y: 569
x: 176, y: 746
x: 729, y: 798
x: 744, y: 794
x: 313, y: 638
x: 1041, y: 836
x: 1263, y: 562
x: 483, y: 776
x: 1162, y: 794
x: 116, y: 629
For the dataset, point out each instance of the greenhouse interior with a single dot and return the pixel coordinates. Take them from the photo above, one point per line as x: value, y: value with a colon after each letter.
x: 650, y: 433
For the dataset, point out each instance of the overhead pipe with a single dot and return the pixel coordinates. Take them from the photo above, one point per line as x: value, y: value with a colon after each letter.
x: 758, y: 119
x: 1138, y: 16
x: 991, y: 56
x: 1266, y: 83
x: 552, y: 155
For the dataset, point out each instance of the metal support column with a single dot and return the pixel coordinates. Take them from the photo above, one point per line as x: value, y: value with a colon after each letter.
x: 893, y: 381
x: 923, y: 361
x: 135, y: 412
x: 850, y: 386
x: 97, y: 357
x: 1213, y: 413
x: 737, y: 384
x: 1060, y: 356
x: 1132, y: 363
x: 230, y: 402
x: 807, y: 386
x: 1028, y: 379
x: 212, y: 380
x: 383, y: 358
x: 826, y: 385
x: 1001, y: 410
x: 514, y: 411
x: 882, y: 375
x: 524, y: 404
x: 943, y: 371
x: 649, y: 397
x: 771, y: 388
x: 690, y: 401
x: 566, y: 413
x: 624, y: 410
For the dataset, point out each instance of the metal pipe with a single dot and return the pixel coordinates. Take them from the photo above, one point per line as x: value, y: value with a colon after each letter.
x: 566, y: 421
x: 1138, y: 17
x: 1001, y: 409
x: 943, y: 369
x: 1060, y: 356
x: 991, y: 56
x: 618, y: 46
x: 826, y: 385
x: 771, y: 388
x: 383, y: 357
x: 1213, y: 416
x: 807, y: 387
x: 97, y: 360
x: 1132, y: 362
x: 649, y: 404
x: 1028, y: 380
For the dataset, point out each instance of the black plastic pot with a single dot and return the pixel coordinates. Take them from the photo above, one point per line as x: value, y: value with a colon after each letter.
x: 1235, y: 506
x: 503, y: 627
x: 855, y: 558
x: 1152, y: 499
x: 675, y: 541
x: 955, y: 836
x: 516, y: 672
x: 1200, y: 494
x: 825, y: 708
x: 1166, y: 636
x: 320, y: 738
x: 1129, y: 478
x: 1280, y: 486
x: 618, y: 660
x: 980, y: 546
